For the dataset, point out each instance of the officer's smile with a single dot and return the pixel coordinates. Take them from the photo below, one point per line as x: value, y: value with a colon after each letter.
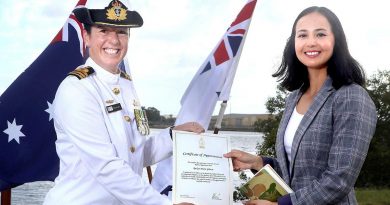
x: 111, y: 51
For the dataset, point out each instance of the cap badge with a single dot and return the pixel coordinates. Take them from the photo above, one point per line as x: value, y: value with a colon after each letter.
x: 117, y: 11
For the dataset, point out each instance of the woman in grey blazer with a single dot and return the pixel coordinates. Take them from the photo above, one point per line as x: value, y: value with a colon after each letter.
x: 329, y: 118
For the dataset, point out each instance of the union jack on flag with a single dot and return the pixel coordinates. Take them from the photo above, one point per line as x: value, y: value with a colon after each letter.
x: 234, y: 35
x: 214, y: 78
x: 27, y: 135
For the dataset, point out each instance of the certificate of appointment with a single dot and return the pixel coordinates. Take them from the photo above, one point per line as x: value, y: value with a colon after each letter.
x: 201, y: 175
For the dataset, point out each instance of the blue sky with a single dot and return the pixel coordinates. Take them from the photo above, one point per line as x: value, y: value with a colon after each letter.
x: 178, y: 35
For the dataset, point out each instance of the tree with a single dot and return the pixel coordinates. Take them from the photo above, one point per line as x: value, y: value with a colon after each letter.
x: 275, y: 107
x: 153, y: 114
x: 169, y: 120
x: 378, y: 159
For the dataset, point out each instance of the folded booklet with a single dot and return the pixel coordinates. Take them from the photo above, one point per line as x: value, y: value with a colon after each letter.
x: 265, y: 184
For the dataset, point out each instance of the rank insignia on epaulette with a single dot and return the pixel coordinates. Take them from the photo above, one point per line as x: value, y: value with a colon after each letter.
x: 125, y: 75
x: 83, y: 72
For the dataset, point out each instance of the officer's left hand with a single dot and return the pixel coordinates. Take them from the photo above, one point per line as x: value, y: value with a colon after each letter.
x: 190, y: 127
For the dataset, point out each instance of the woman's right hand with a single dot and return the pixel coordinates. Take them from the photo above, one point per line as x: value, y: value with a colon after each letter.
x: 243, y: 160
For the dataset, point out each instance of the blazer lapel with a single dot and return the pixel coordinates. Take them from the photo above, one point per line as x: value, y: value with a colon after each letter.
x: 309, y: 116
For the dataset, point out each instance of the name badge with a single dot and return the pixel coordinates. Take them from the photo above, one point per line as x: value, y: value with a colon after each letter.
x: 113, y: 108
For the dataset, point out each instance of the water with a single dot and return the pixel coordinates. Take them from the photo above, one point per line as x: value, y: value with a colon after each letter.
x: 34, y: 193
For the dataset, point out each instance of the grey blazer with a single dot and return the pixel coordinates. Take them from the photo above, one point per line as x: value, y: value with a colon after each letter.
x: 329, y: 146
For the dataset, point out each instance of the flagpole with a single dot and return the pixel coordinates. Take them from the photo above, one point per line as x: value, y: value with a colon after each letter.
x: 218, y: 123
x: 6, y: 197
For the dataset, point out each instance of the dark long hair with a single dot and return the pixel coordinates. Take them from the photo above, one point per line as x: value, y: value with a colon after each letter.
x: 342, y: 67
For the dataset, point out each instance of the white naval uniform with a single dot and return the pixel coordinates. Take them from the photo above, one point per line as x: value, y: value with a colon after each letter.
x: 96, y: 164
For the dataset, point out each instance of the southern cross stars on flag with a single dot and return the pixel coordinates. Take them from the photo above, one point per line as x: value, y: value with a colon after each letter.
x: 27, y: 136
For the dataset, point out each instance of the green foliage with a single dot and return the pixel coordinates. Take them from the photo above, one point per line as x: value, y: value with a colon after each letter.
x: 269, y: 127
x: 378, y: 159
x: 153, y: 114
x: 156, y: 120
x: 243, y: 176
x: 373, y: 196
x: 170, y: 120
x: 237, y: 196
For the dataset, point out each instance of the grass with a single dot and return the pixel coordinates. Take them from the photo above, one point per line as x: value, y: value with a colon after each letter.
x: 373, y: 196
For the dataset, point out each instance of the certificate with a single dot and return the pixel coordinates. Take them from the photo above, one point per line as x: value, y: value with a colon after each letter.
x: 201, y: 175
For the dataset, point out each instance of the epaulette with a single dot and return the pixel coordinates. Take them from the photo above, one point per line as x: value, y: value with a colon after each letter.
x: 125, y: 75
x: 83, y: 72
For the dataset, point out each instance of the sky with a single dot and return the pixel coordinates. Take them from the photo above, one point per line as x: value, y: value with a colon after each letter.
x: 178, y: 35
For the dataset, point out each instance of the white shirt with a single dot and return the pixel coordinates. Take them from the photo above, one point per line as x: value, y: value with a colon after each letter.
x: 96, y: 164
x: 291, y: 129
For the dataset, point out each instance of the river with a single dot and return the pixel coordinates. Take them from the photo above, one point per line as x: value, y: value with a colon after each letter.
x: 34, y: 193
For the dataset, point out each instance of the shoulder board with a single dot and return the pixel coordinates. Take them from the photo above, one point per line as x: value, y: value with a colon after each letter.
x: 83, y: 72
x: 125, y: 75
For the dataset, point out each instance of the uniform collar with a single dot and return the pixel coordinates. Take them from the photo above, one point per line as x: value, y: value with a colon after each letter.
x: 103, y: 74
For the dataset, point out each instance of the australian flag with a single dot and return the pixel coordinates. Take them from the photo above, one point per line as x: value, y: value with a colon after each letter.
x: 211, y: 83
x: 27, y: 135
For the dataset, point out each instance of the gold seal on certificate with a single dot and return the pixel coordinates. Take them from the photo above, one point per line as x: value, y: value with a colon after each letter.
x: 201, y: 175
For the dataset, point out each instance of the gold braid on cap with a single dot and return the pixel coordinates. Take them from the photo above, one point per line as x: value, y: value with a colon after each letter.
x: 116, y: 12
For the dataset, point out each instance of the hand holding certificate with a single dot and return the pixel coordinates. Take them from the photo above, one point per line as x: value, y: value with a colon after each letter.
x: 201, y: 175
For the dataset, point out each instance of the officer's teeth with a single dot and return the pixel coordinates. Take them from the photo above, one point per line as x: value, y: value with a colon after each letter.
x: 111, y: 51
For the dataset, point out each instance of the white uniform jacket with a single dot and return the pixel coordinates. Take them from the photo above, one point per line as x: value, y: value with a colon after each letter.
x: 94, y: 147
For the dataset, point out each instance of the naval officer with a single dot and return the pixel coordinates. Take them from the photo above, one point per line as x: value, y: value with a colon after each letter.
x: 101, y: 129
